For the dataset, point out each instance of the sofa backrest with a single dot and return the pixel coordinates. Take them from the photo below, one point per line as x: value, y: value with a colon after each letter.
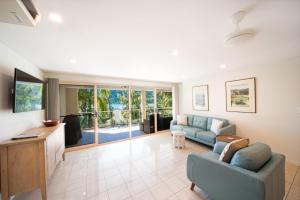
x: 252, y: 157
x: 203, y: 122
x: 200, y: 122
x: 190, y: 120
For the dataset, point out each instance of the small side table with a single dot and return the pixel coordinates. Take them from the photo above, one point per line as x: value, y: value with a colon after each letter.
x: 178, y: 139
x: 227, y: 138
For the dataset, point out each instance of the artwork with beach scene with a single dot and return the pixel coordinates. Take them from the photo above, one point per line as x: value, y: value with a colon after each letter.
x: 240, y: 95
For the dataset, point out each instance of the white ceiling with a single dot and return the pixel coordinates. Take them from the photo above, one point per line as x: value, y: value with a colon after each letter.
x: 134, y: 38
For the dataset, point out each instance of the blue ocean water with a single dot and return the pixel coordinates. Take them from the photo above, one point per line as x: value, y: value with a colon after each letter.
x: 117, y: 106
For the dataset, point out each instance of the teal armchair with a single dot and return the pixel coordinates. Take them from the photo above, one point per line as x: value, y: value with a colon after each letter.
x: 224, y: 181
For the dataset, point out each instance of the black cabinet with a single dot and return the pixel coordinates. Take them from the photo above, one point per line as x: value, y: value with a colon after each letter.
x: 149, y: 126
x: 72, y: 130
x: 163, y: 123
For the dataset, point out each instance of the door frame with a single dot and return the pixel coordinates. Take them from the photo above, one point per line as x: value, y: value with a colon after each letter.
x: 75, y: 148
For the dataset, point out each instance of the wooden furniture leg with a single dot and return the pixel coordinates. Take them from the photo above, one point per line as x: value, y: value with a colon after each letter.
x: 4, y: 172
x: 192, y: 186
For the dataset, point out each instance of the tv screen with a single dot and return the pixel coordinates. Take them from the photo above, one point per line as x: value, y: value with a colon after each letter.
x: 29, y: 93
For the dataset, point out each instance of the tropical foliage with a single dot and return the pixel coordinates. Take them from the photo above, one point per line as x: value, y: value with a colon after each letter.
x: 113, y: 106
x: 136, y: 106
x: 164, y: 103
x: 86, y: 106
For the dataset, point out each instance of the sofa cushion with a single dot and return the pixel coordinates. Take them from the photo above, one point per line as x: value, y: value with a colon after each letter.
x: 252, y: 157
x: 177, y: 127
x: 209, y: 122
x: 216, y: 125
x: 206, y: 136
x: 231, y: 148
x: 200, y: 122
x: 191, y: 131
x: 190, y: 120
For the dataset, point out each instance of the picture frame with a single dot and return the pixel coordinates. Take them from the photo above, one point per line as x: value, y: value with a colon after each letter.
x: 241, y: 95
x: 200, y: 98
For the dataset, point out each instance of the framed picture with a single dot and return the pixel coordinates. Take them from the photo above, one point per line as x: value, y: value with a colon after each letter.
x: 200, y: 97
x: 240, y: 95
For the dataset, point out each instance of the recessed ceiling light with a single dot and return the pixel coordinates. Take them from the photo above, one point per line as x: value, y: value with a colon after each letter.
x: 174, y: 52
x: 55, y: 17
x: 223, y: 66
x: 73, y: 61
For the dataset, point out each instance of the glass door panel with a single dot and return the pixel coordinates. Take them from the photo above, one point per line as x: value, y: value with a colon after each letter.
x: 136, y: 113
x: 164, y: 109
x: 77, y: 111
x: 113, y: 114
x: 149, y: 103
x: 148, y: 111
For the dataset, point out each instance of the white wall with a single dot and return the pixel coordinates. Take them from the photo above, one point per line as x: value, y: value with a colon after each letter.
x: 11, y: 123
x: 277, y: 121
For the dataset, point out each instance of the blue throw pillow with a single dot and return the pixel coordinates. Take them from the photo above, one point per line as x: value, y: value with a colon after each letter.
x: 252, y: 157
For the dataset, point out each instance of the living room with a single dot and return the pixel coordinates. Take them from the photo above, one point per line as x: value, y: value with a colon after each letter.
x: 149, y: 100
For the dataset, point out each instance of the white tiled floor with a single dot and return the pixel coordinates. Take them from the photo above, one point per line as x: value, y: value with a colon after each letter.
x: 146, y: 168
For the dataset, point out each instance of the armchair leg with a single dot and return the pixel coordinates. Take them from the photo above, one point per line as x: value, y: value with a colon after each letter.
x: 192, y: 186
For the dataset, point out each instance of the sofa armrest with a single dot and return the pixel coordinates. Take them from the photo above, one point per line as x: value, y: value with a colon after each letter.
x: 219, y: 146
x: 222, y: 180
x: 273, y: 175
x: 229, y: 129
x: 173, y: 122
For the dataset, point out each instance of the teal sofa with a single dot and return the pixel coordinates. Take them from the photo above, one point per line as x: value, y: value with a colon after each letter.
x: 254, y: 173
x: 198, y: 129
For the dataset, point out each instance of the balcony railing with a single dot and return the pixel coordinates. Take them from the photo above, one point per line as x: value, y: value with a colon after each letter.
x: 113, y: 118
x: 165, y: 112
x: 118, y: 118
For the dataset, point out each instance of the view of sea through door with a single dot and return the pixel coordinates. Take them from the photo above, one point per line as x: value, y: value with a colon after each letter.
x: 113, y: 114
x: 101, y: 114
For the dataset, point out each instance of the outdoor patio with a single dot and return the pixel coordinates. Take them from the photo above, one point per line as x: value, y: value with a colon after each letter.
x: 109, y: 134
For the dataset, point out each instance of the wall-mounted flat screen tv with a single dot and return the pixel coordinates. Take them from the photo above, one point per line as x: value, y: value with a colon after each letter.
x: 29, y: 93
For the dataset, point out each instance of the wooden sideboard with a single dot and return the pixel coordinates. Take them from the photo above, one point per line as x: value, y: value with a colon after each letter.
x: 28, y: 164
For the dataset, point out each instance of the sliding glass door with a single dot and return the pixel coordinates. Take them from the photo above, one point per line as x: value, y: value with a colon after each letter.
x: 164, y: 108
x: 136, y: 112
x: 100, y: 114
x: 113, y: 114
x: 77, y: 111
x: 149, y: 95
